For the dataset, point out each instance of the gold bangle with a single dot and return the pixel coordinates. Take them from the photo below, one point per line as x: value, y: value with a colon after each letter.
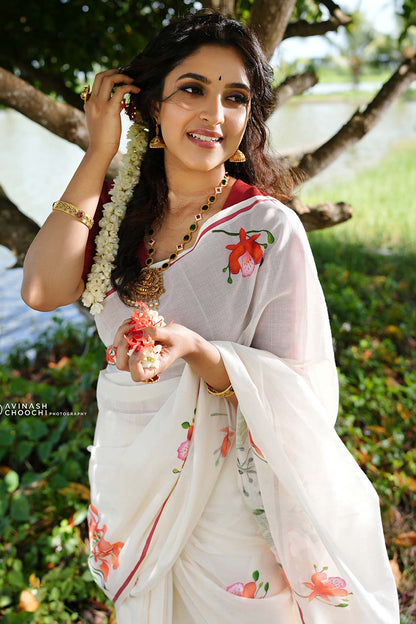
x: 220, y: 394
x: 75, y: 212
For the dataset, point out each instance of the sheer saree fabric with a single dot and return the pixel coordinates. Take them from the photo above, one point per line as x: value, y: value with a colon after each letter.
x: 203, y: 513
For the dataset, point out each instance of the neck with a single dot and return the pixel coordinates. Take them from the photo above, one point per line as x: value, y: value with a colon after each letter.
x: 190, y: 188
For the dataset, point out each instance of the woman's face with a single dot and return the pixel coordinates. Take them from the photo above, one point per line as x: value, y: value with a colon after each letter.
x: 205, y: 107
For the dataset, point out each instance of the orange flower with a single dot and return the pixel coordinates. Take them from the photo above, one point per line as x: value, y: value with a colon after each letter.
x: 256, y: 448
x: 248, y: 250
x: 100, y: 548
x: 226, y: 443
x: 323, y: 586
x: 249, y: 590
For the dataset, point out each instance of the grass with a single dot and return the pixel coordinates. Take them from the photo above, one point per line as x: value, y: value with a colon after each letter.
x: 384, y: 202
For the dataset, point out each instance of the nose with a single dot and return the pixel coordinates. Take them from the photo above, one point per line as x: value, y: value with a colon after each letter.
x: 213, y: 111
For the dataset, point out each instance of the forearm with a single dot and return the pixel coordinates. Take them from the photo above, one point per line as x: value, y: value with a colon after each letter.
x: 206, y: 361
x: 54, y: 262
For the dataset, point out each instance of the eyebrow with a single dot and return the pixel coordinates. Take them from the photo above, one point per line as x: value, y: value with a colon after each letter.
x: 204, y: 80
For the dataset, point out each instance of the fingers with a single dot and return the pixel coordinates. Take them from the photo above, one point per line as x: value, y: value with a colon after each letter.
x: 105, y: 81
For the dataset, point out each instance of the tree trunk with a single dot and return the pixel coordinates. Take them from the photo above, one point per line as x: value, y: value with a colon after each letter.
x: 17, y: 230
x: 225, y: 7
x: 62, y: 119
x: 269, y: 20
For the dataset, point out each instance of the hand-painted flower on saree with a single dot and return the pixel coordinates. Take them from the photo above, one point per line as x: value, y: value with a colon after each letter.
x: 249, y: 590
x: 247, y: 253
x: 324, y: 587
x: 101, y: 550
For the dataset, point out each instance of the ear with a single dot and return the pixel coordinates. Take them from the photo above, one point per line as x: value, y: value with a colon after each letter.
x: 155, y: 109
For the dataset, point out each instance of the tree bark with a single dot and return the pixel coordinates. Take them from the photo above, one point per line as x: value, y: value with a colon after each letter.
x: 294, y: 85
x: 361, y: 121
x: 269, y: 20
x: 225, y: 7
x: 17, y: 230
x: 321, y: 216
x: 62, y: 119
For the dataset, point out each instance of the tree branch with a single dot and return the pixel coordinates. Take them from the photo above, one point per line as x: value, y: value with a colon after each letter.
x: 302, y: 28
x: 294, y: 85
x: 361, y: 121
x: 269, y: 20
x: 322, y: 215
x: 61, y: 119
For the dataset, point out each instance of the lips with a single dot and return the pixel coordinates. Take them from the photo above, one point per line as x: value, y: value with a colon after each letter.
x: 205, y: 136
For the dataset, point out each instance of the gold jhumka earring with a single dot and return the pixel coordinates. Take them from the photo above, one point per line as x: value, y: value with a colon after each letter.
x: 157, y: 142
x: 238, y: 156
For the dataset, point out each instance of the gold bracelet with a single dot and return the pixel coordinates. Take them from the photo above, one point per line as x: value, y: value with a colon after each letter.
x: 75, y: 212
x: 220, y: 394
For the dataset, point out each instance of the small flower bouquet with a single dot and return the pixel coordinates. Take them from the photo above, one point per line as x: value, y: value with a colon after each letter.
x: 141, y: 318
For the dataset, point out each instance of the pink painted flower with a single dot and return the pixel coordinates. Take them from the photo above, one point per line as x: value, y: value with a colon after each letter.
x: 245, y: 591
x: 183, y: 450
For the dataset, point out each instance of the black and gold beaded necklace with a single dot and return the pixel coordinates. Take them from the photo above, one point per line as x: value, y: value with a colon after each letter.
x: 149, y: 285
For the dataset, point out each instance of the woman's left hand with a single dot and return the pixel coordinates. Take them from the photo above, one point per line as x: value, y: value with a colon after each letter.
x: 177, y: 342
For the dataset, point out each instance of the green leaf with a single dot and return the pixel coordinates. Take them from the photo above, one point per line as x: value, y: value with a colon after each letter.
x: 185, y: 425
x: 256, y: 575
x: 15, y: 578
x: 19, y: 508
x: 175, y: 471
x: 258, y: 512
x: 44, y: 450
x: 11, y: 481
x: 266, y: 587
x: 270, y: 237
x: 23, y: 450
x: 229, y: 280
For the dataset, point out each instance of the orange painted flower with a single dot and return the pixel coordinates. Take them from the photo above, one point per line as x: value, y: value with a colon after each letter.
x: 324, y: 587
x: 106, y: 553
x: 256, y: 448
x: 226, y: 443
x: 248, y: 250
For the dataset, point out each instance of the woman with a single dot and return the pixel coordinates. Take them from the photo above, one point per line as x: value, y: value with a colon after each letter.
x: 220, y: 491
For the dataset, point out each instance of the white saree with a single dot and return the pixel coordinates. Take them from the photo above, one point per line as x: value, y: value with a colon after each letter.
x: 201, y: 513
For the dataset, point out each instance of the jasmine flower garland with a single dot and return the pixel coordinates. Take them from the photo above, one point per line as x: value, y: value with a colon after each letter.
x: 106, y: 241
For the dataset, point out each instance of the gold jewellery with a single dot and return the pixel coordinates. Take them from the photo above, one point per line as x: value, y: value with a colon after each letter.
x: 75, y: 212
x: 218, y: 393
x: 85, y: 93
x: 149, y: 285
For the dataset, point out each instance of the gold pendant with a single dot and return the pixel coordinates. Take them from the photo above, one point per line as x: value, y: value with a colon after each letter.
x: 148, y: 288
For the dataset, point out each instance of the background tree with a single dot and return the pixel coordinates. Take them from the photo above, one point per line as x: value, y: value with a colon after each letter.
x: 47, y: 55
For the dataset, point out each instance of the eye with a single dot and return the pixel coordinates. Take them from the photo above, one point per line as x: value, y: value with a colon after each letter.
x: 238, y: 98
x: 192, y: 89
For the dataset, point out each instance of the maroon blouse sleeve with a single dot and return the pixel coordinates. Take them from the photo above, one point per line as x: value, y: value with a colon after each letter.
x: 90, y: 247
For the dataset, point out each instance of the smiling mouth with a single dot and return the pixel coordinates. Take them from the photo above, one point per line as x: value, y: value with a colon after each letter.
x: 204, y: 137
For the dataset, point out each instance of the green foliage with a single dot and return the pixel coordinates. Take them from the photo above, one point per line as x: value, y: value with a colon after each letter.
x: 44, y: 492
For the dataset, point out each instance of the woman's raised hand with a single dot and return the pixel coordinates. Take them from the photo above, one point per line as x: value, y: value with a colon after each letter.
x: 102, y: 110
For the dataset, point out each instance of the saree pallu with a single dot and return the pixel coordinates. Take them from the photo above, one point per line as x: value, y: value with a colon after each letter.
x: 203, y: 513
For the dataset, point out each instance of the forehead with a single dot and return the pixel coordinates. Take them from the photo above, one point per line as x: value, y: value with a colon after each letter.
x: 212, y: 61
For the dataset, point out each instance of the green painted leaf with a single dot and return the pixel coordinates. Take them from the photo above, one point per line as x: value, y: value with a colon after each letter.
x: 266, y: 587
x: 229, y: 280
x: 185, y: 425
x: 256, y: 575
x: 270, y: 237
x: 258, y: 512
x: 175, y: 471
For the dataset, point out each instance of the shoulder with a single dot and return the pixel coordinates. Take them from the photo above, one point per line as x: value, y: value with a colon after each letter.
x: 248, y: 204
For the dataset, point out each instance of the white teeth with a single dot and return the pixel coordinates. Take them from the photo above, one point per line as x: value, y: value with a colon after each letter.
x: 202, y: 137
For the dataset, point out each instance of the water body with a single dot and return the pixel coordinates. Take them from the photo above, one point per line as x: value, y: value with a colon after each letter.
x: 35, y: 167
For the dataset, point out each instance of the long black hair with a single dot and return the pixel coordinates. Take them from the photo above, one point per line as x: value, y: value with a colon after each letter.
x: 149, y: 70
